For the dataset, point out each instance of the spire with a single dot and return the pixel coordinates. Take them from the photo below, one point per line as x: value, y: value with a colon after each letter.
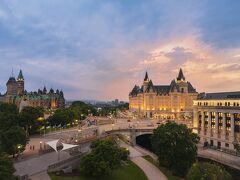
x: 44, y: 90
x: 146, y: 77
x: 180, y: 76
x: 20, y: 76
x: 12, y: 75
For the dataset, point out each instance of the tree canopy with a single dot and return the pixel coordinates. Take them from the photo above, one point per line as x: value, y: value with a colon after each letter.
x: 77, y: 111
x: 207, y: 171
x: 175, y: 146
x: 29, y: 118
x: 12, y: 136
x: 236, y: 145
x: 6, y: 167
x: 13, y: 140
x: 105, y: 156
x: 8, y: 116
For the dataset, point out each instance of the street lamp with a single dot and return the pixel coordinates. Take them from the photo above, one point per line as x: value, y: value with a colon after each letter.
x: 41, y: 119
x: 19, y: 147
x: 40, y: 146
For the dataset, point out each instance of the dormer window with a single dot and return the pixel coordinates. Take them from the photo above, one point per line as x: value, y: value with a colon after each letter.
x: 182, y: 90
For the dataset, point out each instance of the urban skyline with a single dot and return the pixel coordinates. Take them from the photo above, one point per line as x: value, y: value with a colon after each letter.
x: 110, y: 45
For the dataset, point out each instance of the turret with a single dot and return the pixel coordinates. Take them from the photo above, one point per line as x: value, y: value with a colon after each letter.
x: 145, y: 82
x: 182, y: 83
x: 51, y: 91
x: 180, y: 76
x: 20, y: 83
x: 44, y: 90
x: 61, y: 93
x: 12, y: 86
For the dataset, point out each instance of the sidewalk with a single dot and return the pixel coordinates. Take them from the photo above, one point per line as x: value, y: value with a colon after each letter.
x: 221, y: 157
x: 39, y: 164
x: 151, y: 171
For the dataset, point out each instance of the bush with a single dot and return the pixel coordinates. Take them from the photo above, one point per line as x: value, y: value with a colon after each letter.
x: 104, y: 157
x: 208, y: 171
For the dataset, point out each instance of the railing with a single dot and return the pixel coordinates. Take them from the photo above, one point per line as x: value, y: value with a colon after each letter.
x: 227, y: 151
x: 61, y: 163
x: 24, y: 177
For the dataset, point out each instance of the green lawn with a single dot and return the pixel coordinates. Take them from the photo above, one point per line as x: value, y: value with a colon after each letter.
x: 128, y: 171
x: 165, y: 171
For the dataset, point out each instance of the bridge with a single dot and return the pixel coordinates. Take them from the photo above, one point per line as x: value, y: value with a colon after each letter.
x: 131, y: 133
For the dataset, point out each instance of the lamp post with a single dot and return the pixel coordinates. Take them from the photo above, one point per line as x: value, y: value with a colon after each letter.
x: 41, y: 119
x: 19, y: 147
x: 40, y: 146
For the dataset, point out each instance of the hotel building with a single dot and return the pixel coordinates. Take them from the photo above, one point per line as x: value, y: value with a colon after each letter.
x: 217, y: 119
x: 174, y: 101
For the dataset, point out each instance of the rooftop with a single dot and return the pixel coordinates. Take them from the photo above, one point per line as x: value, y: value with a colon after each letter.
x: 221, y: 95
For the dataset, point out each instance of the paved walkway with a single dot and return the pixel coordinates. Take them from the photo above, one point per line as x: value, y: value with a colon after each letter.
x: 151, y: 171
x: 230, y: 160
x: 41, y: 176
x: 38, y: 164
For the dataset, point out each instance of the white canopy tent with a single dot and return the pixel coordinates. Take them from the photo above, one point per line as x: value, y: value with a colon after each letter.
x: 54, y: 143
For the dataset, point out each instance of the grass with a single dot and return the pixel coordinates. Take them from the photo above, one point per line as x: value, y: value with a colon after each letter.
x: 165, y: 171
x: 128, y: 171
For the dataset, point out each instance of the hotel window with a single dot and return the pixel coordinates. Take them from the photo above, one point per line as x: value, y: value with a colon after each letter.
x: 226, y: 145
x: 225, y: 103
x: 220, y: 104
x: 228, y: 103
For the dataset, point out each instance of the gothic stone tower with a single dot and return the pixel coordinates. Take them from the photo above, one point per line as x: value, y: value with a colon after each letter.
x: 12, y: 86
x: 20, y: 82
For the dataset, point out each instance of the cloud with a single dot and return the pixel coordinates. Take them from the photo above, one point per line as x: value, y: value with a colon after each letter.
x: 101, y: 49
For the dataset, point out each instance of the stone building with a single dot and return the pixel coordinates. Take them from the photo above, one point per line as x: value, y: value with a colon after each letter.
x: 17, y: 94
x: 174, y: 101
x: 217, y: 119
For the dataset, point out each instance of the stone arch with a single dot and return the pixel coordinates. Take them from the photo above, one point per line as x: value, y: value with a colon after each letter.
x: 144, y: 140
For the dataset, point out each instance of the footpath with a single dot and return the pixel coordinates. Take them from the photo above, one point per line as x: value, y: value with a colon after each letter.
x: 151, y: 171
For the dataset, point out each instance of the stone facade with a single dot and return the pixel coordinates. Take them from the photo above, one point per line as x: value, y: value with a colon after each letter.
x: 217, y: 119
x: 17, y: 94
x: 174, y: 101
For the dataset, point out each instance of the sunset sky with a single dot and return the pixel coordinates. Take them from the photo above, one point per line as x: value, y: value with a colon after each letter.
x: 99, y: 49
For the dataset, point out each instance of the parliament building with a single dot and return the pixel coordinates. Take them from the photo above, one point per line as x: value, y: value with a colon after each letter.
x: 17, y: 94
x: 174, y: 101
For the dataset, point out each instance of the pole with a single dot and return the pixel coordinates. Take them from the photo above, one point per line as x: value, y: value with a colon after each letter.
x: 58, y: 156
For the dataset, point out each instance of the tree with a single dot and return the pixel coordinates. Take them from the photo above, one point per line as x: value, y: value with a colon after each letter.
x: 61, y: 117
x: 6, y: 167
x: 236, y: 145
x: 175, y: 146
x: 207, y: 171
x: 105, y: 156
x: 13, y: 140
x: 8, y: 116
x: 80, y: 108
x: 29, y: 119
